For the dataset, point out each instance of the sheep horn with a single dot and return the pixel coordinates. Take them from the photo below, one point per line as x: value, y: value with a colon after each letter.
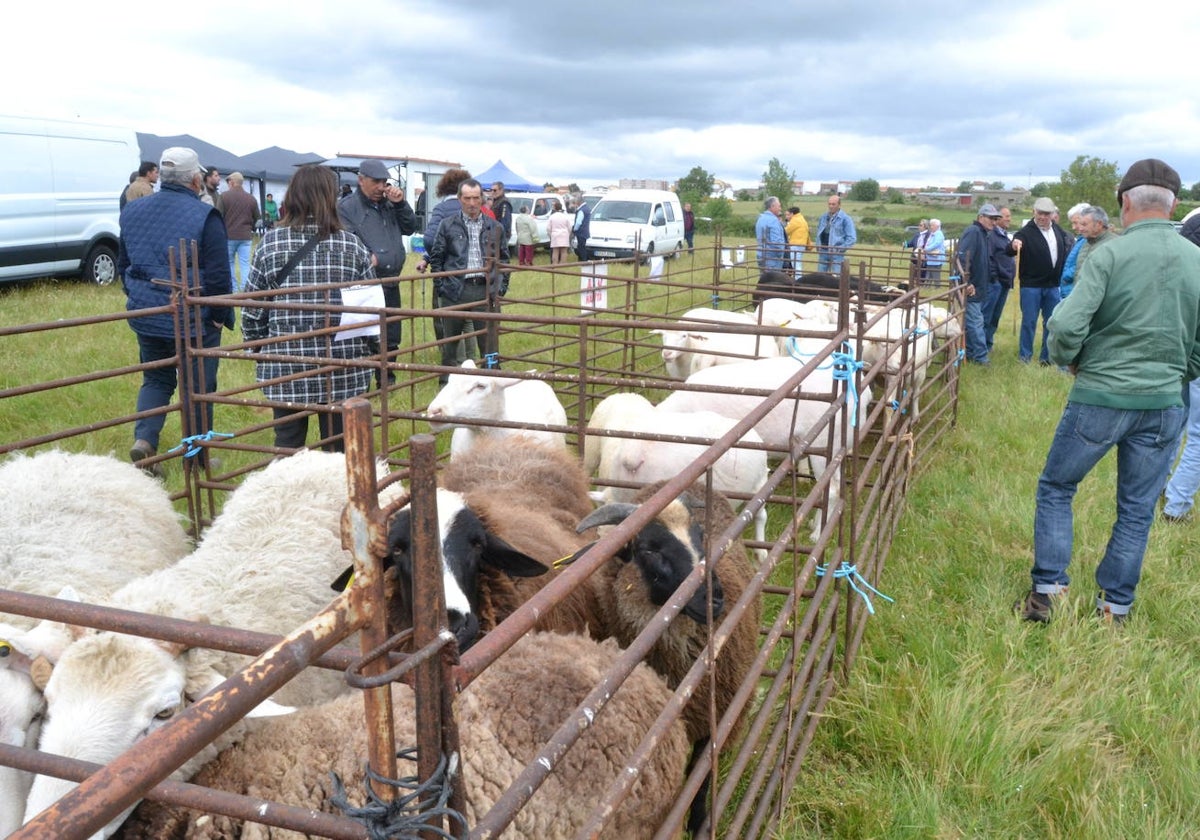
x: 611, y: 514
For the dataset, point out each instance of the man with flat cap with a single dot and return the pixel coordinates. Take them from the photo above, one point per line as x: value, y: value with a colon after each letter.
x: 973, y: 258
x: 1130, y: 334
x: 379, y: 215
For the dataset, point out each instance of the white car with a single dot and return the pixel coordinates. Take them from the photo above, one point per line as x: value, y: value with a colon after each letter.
x: 543, y: 204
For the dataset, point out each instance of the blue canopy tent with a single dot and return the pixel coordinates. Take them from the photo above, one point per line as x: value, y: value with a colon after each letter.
x: 511, y: 180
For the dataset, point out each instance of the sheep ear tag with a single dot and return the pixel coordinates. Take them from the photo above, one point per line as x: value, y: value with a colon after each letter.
x: 343, y: 581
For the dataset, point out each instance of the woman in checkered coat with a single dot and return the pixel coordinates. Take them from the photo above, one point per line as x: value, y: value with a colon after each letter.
x: 309, y: 210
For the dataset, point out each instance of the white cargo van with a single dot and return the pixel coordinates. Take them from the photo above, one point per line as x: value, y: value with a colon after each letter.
x: 60, y: 183
x: 649, y: 220
x: 542, y: 204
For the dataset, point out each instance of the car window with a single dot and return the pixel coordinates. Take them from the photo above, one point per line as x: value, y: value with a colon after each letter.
x: 659, y: 218
x: 520, y: 205
x: 622, y: 211
x: 670, y: 208
x: 539, y: 209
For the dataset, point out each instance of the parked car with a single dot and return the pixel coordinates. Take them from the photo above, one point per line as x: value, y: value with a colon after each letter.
x: 543, y: 204
x: 60, y: 184
x: 625, y: 221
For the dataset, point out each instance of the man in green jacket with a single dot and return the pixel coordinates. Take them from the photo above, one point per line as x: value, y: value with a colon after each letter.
x: 1130, y: 334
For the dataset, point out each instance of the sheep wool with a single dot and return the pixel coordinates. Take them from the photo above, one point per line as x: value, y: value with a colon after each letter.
x: 504, y: 718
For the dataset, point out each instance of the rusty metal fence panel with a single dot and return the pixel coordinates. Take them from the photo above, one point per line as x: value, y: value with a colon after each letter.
x: 815, y: 592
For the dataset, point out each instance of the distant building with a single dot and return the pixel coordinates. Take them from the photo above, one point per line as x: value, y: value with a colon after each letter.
x: 644, y: 184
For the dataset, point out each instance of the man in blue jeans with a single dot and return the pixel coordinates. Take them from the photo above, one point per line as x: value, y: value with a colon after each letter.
x: 1128, y: 333
x: 1043, y: 247
x: 974, y: 261
x: 150, y: 227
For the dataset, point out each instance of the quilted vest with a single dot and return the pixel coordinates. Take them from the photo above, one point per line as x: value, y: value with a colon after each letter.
x: 149, y: 227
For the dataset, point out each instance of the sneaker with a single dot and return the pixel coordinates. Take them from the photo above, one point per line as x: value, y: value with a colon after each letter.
x: 1175, y: 520
x: 142, y: 450
x: 1036, y: 606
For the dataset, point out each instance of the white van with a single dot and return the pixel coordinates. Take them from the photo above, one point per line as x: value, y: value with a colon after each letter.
x: 625, y: 220
x: 542, y: 204
x: 60, y: 184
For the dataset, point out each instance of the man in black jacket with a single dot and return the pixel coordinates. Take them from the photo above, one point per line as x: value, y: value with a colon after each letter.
x: 378, y: 214
x: 1043, y: 247
x: 466, y: 241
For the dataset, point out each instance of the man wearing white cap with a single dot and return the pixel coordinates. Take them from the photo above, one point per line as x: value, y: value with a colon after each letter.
x: 150, y: 227
x: 1043, y: 247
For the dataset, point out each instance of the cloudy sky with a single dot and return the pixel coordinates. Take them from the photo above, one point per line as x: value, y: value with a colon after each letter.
x: 909, y: 94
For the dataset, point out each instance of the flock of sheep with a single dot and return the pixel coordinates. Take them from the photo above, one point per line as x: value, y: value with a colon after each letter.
x: 514, y: 506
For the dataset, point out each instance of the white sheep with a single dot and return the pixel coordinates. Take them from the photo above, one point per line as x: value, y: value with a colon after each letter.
x: 504, y: 718
x: 495, y: 398
x: 264, y: 564
x: 901, y: 337
x: 778, y: 312
x: 619, y: 459
x: 69, y: 522
x: 691, y: 348
x: 791, y: 419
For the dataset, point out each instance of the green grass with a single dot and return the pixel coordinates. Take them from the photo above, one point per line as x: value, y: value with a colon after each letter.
x: 959, y: 720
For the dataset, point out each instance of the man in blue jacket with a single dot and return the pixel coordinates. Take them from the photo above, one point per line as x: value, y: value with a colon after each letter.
x: 835, y: 234
x: 150, y: 227
x: 770, y: 235
x: 973, y: 257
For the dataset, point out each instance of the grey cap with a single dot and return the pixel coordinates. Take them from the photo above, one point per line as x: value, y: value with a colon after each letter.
x: 989, y: 210
x: 374, y: 169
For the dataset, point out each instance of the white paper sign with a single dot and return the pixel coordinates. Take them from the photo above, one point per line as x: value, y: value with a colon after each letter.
x: 367, y: 295
x: 656, y: 267
x: 593, y: 287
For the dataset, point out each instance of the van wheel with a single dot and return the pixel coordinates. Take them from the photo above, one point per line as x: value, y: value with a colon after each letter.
x: 100, y: 266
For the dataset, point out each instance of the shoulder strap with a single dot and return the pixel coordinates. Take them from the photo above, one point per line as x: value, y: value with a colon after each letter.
x: 301, y: 252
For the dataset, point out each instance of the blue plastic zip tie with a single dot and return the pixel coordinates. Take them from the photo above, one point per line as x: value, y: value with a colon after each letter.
x: 491, y: 360
x: 850, y: 573
x: 190, y: 442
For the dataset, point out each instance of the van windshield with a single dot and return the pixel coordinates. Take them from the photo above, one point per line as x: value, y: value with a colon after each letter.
x: 622, y: 211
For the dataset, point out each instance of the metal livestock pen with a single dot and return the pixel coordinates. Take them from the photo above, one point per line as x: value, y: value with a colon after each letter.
x: 587, y: 335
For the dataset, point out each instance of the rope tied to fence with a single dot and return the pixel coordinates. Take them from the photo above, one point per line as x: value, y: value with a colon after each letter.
x: 844, y: 368
x: 192, y: 441
x: 894, y: 405
x: 793, y: 348
x: 849, y: 572
x: 408, y: 815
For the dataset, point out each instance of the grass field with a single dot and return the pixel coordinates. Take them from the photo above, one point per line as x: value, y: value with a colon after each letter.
x: 959, y: 720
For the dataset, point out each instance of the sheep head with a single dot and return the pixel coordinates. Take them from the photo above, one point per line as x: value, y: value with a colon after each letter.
x: 665, y: 552
x: 466, y: 547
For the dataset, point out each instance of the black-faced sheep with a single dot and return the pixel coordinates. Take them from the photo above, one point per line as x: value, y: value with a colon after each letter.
x: 69, y: 522
x: 504, y: 718
x: 656, y: 561
x: 263, y: 565
x: 507, y: 511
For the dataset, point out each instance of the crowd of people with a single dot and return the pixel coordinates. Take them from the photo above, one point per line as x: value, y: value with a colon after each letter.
x: 1119, y: 313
